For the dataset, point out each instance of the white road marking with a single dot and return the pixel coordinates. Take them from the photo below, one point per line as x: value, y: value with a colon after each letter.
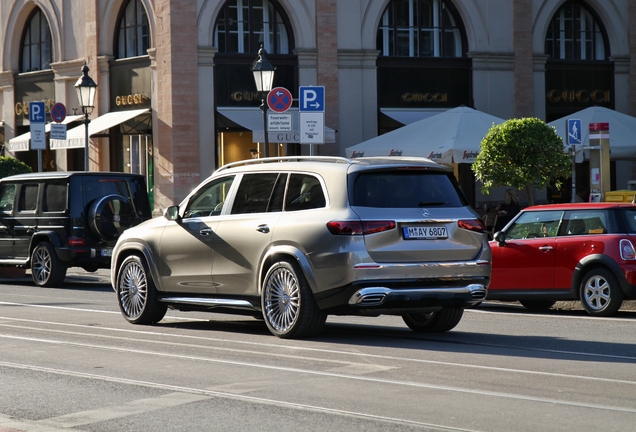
x: 207, y: 393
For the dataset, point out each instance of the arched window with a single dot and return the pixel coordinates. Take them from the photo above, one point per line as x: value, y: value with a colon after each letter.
x: 36, y: 44
x: 133, y: 38
x: 575, y: 34
x: 420, y: 28
x: 243, y: 25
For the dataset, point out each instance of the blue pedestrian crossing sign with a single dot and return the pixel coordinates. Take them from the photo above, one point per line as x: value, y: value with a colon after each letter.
x: 574, y: 132
x: 311, y: 99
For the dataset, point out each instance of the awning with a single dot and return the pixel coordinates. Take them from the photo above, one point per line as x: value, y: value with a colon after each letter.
x: 252, y: 119
x: 76, y: 136
x: 21, y: 142
x: 406, y: 117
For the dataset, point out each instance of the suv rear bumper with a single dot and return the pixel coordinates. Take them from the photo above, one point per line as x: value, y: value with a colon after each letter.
x: 99, y: 257
x: 399, y: 297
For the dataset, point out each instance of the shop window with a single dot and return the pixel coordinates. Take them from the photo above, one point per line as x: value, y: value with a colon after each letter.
x: 575, y: 34
x: 36, y: 44
x: 244, y: 25
x: 133, y: 38
x: 420, y: 28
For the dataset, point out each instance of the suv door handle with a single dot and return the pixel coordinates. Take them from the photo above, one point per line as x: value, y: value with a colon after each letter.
x: 545, y: 248
x: 263, y: 228
x: 206, y: 231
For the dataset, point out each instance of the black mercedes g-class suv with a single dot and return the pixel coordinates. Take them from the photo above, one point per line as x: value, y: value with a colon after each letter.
x: 54, y: 220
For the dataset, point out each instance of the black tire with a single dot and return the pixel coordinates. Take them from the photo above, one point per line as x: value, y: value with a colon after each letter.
x: 434, y: 322
x: 136, y: 293
x: 110, y: 216
x: 289, y: 308
x: 600, y: 293
x: 537, y: 305
x: 46, y: 268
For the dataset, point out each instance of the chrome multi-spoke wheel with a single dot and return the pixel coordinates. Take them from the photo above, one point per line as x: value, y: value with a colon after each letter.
x: 600, y: 293
x: 46, y: 268
x: 136, y: 293
x: 289, y: 308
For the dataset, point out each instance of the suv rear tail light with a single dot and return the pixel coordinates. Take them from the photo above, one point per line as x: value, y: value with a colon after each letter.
x: 476, y: 225
x: 76, y: 241
x: 627, y: 250
x: 359, y: 227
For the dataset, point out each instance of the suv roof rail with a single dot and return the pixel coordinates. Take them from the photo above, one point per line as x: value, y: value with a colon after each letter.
x: 334, y: 159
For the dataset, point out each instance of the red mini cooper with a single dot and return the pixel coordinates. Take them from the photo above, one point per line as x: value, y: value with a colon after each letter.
x: 567, y: 252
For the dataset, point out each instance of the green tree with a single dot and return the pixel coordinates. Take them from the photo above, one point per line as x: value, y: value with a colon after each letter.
x: 522, y: 153
x: 10, y: 166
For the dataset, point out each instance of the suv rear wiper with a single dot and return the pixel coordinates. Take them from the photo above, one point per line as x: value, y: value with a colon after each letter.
x: 432, y: 203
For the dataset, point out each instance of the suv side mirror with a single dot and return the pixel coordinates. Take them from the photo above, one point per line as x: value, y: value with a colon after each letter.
x: 500, y: 237
x: 172, y: 213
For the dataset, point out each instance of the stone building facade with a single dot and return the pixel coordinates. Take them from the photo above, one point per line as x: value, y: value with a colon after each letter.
x: 176, y: 97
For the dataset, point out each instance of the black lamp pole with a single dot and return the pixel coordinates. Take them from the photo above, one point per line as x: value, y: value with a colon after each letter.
x: 86, y: 89
x: 264, y: 78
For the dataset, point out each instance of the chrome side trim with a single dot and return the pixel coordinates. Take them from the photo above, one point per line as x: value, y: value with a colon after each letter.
x: 208, y: 302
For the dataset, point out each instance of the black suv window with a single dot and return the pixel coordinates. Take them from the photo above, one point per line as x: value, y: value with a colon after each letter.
x: 28, y: 201
x: 7, y: 197
x: 253, y: 193
x: 406, y: 189
x: 55, y: 197
x: 304, y: 192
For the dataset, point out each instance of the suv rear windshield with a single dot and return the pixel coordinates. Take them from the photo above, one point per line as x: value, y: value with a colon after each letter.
x: 406, y: 189
x: 130, y: 188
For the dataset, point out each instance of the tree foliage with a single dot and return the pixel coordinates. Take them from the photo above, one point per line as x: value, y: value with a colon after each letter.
x: 10, y: 166
x: 522, y: 153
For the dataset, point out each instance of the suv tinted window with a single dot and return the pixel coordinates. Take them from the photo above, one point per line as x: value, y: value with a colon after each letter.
x: 405, y: 189
x: 28, y: 198
x: 254, y: 192
x: 304, y: 192
x: 7, y: 198
x: 55, y: 197
x: 209, y: 200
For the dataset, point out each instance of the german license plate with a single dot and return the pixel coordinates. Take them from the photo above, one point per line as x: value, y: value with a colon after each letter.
x: 107, y: 252
x: 425, y: 233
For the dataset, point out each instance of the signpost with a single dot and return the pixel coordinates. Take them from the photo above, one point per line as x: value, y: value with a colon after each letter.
x: 279, y: 99
x: 37, y: 118
x: 572, y: 139
x: 311, y: 106
x: 58, y: 114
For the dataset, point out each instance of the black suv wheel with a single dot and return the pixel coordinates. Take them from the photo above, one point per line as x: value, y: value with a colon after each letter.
x: 46, y: 267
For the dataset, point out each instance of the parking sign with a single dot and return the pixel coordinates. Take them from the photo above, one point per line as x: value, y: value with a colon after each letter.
x: 311, y: 99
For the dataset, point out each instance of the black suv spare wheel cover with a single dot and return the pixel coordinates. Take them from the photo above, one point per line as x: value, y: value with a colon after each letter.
x: 110, y: 216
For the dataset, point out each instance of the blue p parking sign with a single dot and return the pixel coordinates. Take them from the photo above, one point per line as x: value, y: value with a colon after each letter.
x: 311, y: 99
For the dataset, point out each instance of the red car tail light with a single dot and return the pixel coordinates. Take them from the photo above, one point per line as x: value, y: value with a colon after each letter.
x: 627, y: 250
x: 359, y: 227
x: 476, y: 225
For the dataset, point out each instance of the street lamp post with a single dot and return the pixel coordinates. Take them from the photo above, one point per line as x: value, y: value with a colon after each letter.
x: 86, y: 89
x: 264, y: 78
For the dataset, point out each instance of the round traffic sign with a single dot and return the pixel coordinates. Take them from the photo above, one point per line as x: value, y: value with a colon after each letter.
x: 58, y: 112
x: 279, y: 99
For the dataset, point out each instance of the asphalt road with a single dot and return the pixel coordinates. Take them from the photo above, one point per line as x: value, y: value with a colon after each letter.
x: 69, y: 361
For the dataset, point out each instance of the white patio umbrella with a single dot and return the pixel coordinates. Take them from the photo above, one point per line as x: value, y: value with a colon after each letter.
x: 452, y: 136
x: 622, y: 129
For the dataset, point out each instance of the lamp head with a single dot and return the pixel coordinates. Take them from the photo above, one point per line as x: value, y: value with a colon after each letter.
x: 86, y: 89
x: 263, y: 72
